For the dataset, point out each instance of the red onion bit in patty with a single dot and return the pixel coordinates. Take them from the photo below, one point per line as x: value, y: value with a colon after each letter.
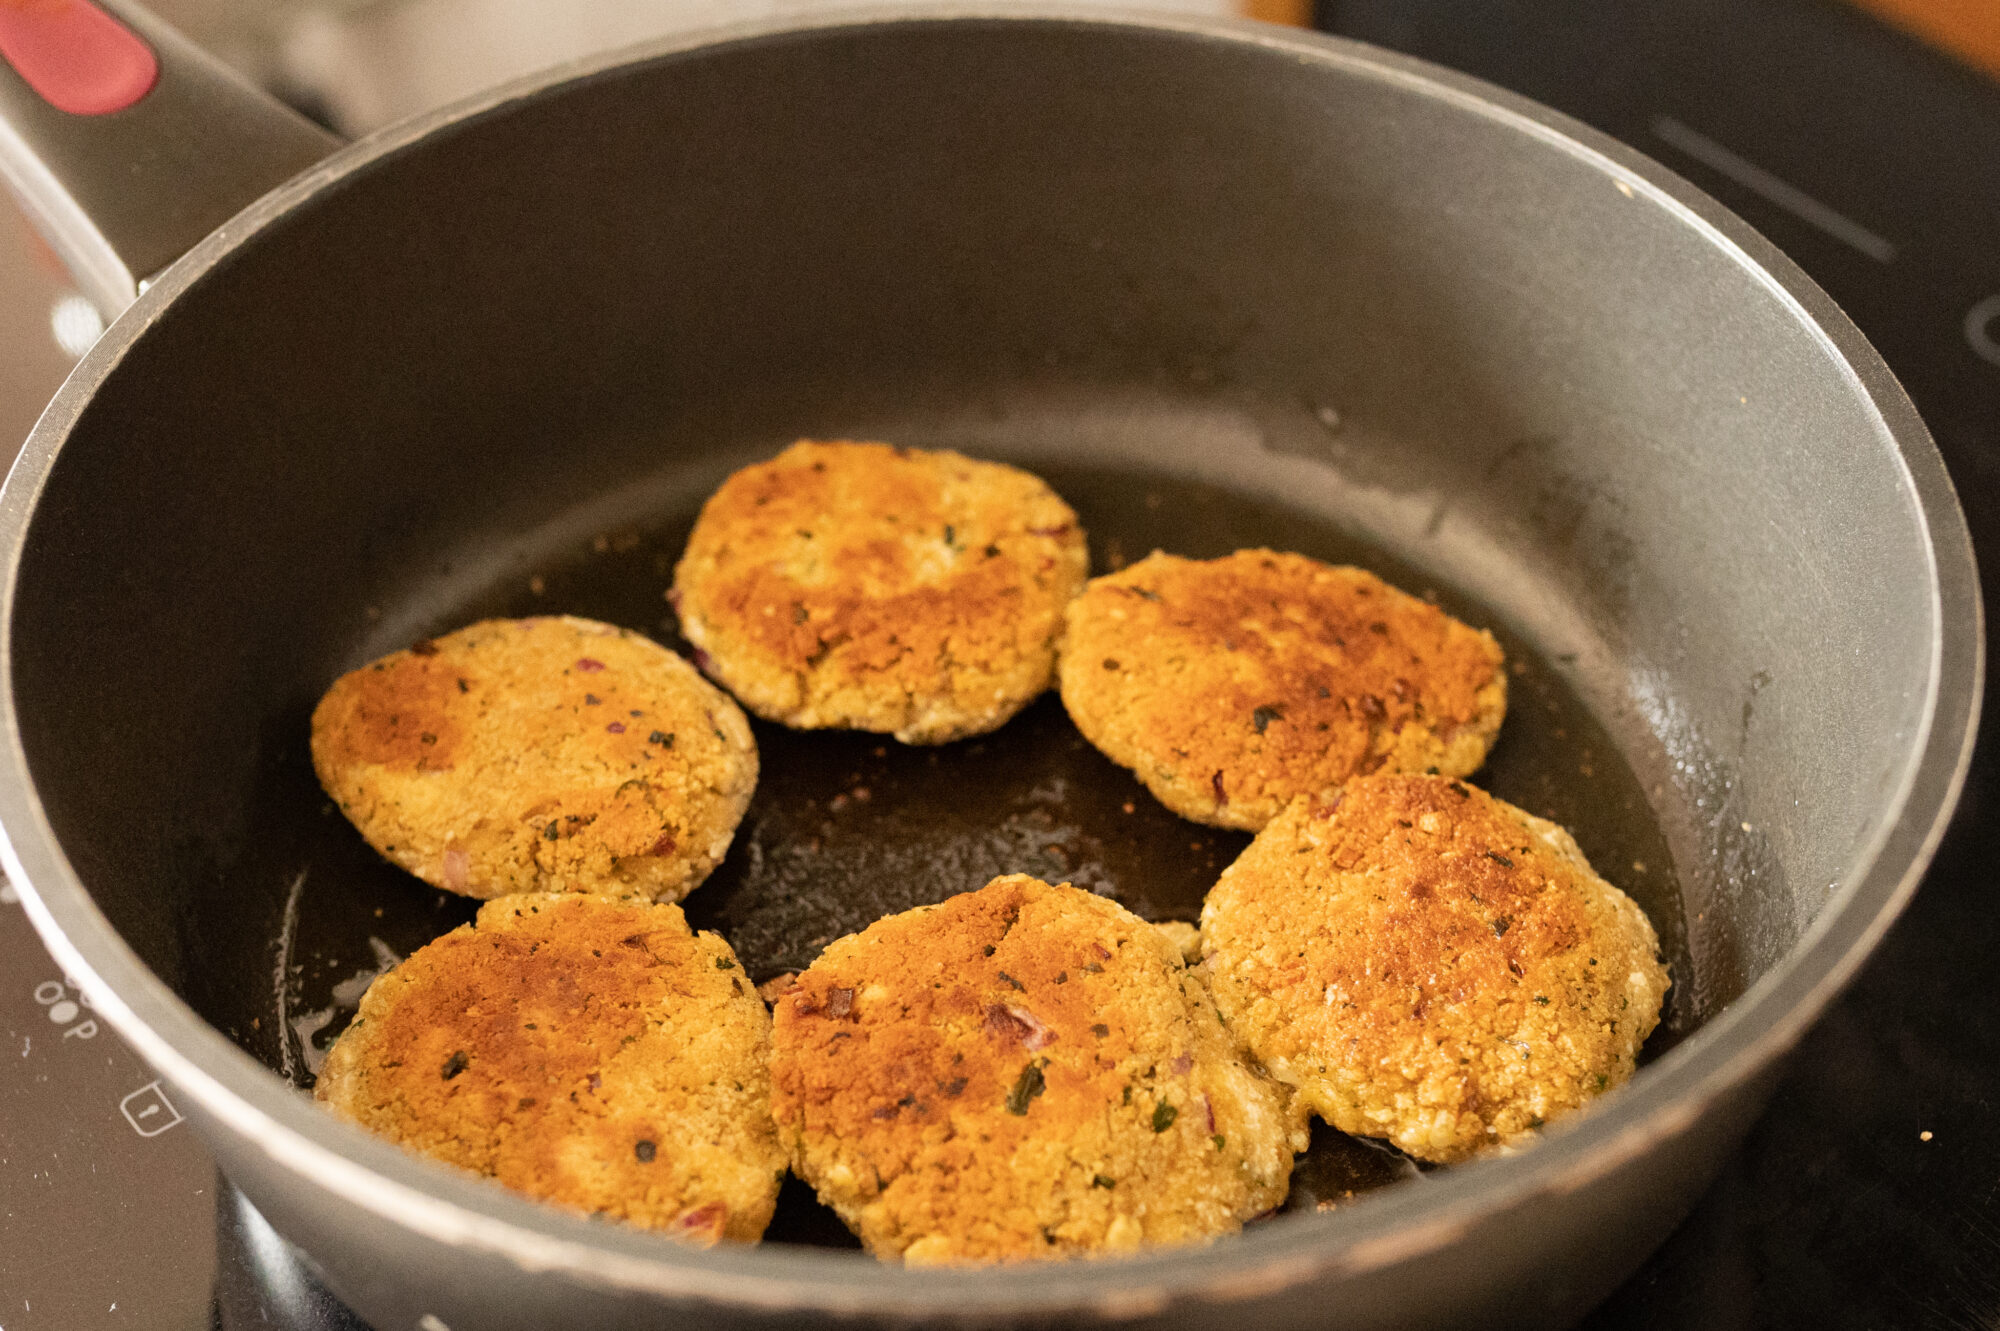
x: 457, y: 869
x: 616, y: 727
x: 589, y: 665
x: 710, y: 1219
x: 839, y: 1002
x: 1018, y: 1024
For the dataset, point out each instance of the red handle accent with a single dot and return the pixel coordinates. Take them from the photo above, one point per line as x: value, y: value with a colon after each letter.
x: 79, y: 58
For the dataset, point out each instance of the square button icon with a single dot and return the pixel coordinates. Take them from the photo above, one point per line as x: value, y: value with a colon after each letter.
x: 149, y: 1111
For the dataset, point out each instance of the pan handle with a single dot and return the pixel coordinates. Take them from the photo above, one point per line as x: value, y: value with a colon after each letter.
x: 127, y: 143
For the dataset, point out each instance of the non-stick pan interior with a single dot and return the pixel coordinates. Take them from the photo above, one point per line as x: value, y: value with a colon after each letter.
x: 1215, y: 296
x: 846, y: 827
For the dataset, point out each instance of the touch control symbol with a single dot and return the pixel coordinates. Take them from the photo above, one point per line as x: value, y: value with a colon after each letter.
x: 54, y: 997
x: 149, y: 1111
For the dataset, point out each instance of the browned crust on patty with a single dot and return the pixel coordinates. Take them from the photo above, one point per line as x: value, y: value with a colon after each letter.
x: 585, y: 1051
x: 1432, y: 965
x: 1230, y: 685
x: 863, y: 586
x: 1022, y: 1072
x: 552, y: 754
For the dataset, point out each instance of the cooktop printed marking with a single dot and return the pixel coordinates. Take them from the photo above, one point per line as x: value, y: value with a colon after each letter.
x: 52, y: 996
x: 149, y: 1111
x: 1773, y: 188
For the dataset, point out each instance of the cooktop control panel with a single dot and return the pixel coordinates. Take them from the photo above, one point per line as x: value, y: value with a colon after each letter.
x: 107, y: 1199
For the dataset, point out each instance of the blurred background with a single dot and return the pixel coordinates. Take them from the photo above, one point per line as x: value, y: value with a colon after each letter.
x: 356, y: 65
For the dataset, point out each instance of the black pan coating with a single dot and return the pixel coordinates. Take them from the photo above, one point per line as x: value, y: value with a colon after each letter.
x: 847, y: 827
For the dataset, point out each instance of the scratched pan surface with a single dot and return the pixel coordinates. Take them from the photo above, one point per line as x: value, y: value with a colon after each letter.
x: 1222, y: 287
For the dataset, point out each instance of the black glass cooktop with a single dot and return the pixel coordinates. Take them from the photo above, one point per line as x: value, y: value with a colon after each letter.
x: 1869, y: 1194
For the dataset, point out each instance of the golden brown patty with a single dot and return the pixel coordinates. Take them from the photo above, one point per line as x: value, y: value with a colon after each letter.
x: 1024, y: 1071
x: 1429, y: 964
x: 538, y: 755
x: 583, y: 1050
x: 1231, y: 685
x: 877, y: 588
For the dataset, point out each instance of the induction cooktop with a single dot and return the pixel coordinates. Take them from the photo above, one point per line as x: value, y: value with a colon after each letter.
x: 1868, y: 1195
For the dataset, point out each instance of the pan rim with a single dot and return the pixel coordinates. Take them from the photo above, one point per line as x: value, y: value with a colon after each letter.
x: 1384, y: 1230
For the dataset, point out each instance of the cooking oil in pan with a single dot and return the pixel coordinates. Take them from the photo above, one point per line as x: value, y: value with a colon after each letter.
x: 847, y: 827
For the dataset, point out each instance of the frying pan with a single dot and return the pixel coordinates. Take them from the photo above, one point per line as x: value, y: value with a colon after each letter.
x: 1222, y: 285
